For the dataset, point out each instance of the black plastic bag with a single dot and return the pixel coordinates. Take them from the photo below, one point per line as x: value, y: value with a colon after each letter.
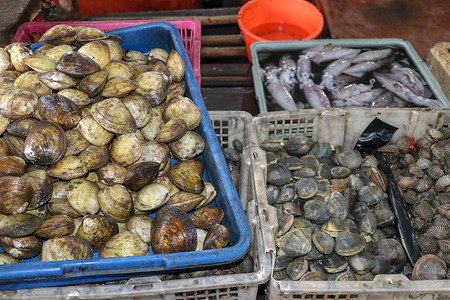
x: 376, y: 135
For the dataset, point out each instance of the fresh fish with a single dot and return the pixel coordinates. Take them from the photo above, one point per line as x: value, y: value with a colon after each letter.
x: 404, y: 92
x: 371, y: 55
x: 287, y: 72
x: 278, y: 92
x: 359, y: 69
x: 409, y: 77
x: 352, y: 90
x: 331, y: 71
x: 303, y: 66
x: 334, y: 54
x: 361, y: 99
x: 323, y: 47
x: 388, y: 99
x: 315, y: 96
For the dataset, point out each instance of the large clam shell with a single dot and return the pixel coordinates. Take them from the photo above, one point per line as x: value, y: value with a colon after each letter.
x: 93, y: 132
x: 139, y: 108
x: 113, y: 115
x: 126, y: 149
x: 140, y: 175
x: 77, y: 64
x: 18, y: 103
x: 67, y: 168
x: 59, y: 109
x: 152, y: 86
x: 82, y: 195
x: 186, y: 178
x: 58, y: 35
x: 55, y: 226
x: 40, y: 63
x: 111, y: 173
x: 142, y: 226
x: 56, y: 52
x: 80, y: 98
x: 94, y: 83
x: 42, y: 186
x: 46, y: 143
x: 115, y: 202
x: 75, y: 142
x: 19, y: 225
x: 57, y: 80
x: 118, y: 87
x: 175, y: 65
x: 188, y: 146
x: 22, y: 247
x: 97, y: 230
x: 119, y: 68
x: 12, y: 166
x: 185, y: 108
x: 66, y: 248
x: 30, y: 81
x: 185, y: 200
x: 124, y: 244
x: 151, y: 197
x: 173, y: 231
x: 19, y: 53
x: 217, y: 237
x: 97, y: 51
x: 16, y: 195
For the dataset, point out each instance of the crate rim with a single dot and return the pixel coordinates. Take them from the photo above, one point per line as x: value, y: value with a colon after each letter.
x: 276, y: 46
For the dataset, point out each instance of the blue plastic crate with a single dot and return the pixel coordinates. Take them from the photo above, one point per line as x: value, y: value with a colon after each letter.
x: 31, y: 273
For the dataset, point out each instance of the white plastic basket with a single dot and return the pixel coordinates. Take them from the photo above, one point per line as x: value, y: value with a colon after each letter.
x: 340, y: 127
x: 228, y: 126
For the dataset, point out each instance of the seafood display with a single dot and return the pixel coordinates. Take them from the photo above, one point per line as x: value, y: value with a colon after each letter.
x: 422, y: 173
x: 334, y: 218
x: 331, y: 75
x: 98, y: 152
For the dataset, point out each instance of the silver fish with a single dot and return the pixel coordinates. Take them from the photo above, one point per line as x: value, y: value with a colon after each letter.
x: 388, y: 99
x: 409, y: 77
x: 287, y: 72
x: 315, y: 96
x: 303, y: 66
x: 278, y: 92
x: 334, y: 54
x: 404, y: 92
x: 331, y: 71
x: 352, y: 90
x: 359, y: 69
x: 371, y: 55
x: 323, y: 47
x: 361, y: 99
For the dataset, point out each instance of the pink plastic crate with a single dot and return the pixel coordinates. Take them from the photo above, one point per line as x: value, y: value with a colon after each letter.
x: 190, y: 31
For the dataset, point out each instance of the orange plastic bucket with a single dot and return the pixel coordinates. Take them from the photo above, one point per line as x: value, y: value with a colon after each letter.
x: 278, y: 20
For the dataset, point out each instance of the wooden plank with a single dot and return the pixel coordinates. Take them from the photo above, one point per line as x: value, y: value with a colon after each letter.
x: 226, y: 69
x: 438, y: 61
x: 209, y: 40
x: 207, y: 52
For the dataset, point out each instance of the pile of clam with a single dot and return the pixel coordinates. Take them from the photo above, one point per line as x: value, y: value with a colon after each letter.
x: 422, y: 171
x: 233, y: 159
x: 87, y: 133
x: 334, y: 217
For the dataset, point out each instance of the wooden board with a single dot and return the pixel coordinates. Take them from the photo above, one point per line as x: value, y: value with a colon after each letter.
x: 438, y: 61
x: 422, y: 23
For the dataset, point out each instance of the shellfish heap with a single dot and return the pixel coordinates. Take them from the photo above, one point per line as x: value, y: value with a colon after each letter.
x: 424, y: 179
x: 87, y: 132
x: 334, y: 217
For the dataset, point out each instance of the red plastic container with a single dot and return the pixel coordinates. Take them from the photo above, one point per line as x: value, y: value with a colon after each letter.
x: 190, y: 31
x: 278, y: 20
